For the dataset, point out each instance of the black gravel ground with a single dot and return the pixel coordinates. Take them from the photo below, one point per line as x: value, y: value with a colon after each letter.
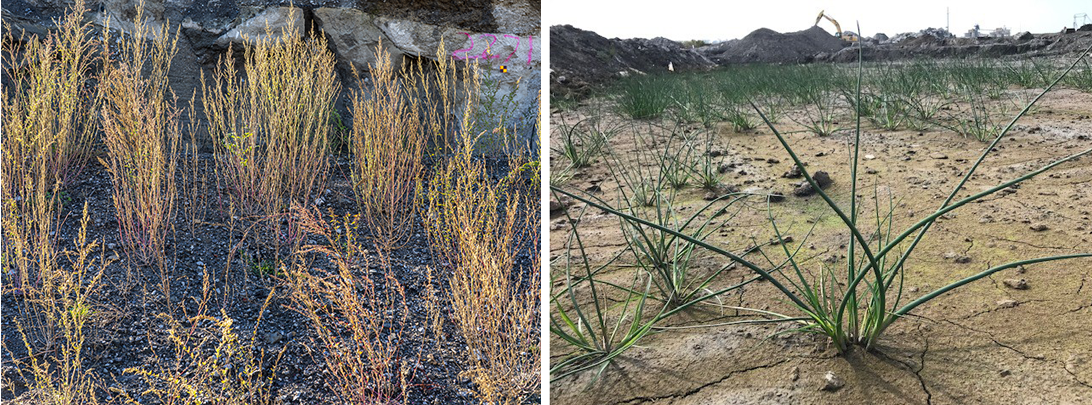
x: 130, y: 334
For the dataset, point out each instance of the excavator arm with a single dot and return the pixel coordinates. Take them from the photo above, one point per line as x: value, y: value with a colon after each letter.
x: 837, y: 27
x: 848, y: 36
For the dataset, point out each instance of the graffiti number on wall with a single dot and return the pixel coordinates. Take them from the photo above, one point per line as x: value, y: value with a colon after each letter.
x: 487, y: 54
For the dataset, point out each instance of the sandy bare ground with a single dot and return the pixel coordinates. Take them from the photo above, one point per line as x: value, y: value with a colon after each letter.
x: 983, y: 343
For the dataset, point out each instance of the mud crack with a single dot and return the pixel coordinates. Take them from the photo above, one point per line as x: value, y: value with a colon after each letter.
x: 997, y: 342
x: 639, y: 400
x: 916, y: 368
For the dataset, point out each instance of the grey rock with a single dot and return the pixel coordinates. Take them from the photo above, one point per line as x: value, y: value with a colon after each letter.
x: 1016, y: 283
x: 560, y: 203
x: 1007, y: 303
x: 354, y: 35
x: 270, y: 24
x: 831, y: 382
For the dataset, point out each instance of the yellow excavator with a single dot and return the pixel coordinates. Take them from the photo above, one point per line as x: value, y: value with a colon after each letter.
x: 845, y: 35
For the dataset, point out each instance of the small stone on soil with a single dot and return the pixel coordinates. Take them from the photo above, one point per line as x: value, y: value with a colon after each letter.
x: 273, y: 337
x: 1016, y: 283
x: 958, y: 258
x: 1074, y: 363
x: 832, y: 382
x: 560, y: 203
x: 1007, y: 303
x: 938, y: 156
x: 1039, y: 227
x: 793, y: 173
x: 804, y: 188
x: 794, y: 374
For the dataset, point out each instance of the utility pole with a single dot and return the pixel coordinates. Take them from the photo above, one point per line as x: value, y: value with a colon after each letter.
x: 948, y: 20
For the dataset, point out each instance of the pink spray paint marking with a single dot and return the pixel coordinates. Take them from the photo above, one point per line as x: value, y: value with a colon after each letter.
x: 531, y: 46
x: 486, y: 54
x: 513, y: 50
x: 457, y: 57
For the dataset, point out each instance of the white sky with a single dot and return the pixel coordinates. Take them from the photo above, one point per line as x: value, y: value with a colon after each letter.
x: 721, y: 20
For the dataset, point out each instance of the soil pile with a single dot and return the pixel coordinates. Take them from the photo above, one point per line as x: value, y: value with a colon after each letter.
x: 930, y: 46
x: 581, y: 60
x: 768, y: 46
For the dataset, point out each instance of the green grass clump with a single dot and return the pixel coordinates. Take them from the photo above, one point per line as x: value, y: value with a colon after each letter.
x: 645, y: 97
x: 583, y: 141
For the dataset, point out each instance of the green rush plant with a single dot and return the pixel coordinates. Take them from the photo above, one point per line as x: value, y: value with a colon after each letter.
x: 645, y: 97
x: 665, y: 257
x: 598, y: 330
x: 583, y: 141
x: 694, y: 103
x: 872, y: 298
x: 820, y: 108
x: 707, y: 171
x: 1081, y: 79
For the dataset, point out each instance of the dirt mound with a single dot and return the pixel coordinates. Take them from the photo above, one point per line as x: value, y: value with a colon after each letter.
x: 580, y: 60
x: 927, y: 46
x: 768, y: 46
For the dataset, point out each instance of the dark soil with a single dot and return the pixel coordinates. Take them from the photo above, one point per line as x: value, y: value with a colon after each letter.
x: 129, y: 334
x: 581, y: 60
x: 768, y: 46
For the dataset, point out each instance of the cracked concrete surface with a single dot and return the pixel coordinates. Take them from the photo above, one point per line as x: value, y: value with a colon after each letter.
x: 963, y: 347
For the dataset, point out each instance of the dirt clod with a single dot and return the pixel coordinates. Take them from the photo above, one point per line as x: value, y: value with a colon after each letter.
x: 560, y: 203
x: 1016, y: 283
x: 804, y: 188
x: 1074, y: 362
x: 832, y: 382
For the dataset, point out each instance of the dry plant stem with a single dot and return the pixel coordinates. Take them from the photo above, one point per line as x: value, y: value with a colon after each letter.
x: 48, y: 127
x: 211, y: 364
x: 141, y: 132
x: 482, y: 227
x: 195, y: 174
x: 359, y: 322
x: 388, y: 147
x: 64, y: 302
x: 270, y: 131
x: 447, y: 106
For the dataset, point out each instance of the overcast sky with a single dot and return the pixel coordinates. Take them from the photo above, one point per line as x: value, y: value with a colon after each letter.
x: 682, y: 20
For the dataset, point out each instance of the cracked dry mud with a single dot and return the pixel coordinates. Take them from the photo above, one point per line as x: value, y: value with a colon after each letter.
x: 983, y: 343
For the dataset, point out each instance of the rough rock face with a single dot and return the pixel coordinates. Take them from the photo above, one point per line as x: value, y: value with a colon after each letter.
x: 494, y: 32
x: 271, y: 23
x: 580, y: 59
